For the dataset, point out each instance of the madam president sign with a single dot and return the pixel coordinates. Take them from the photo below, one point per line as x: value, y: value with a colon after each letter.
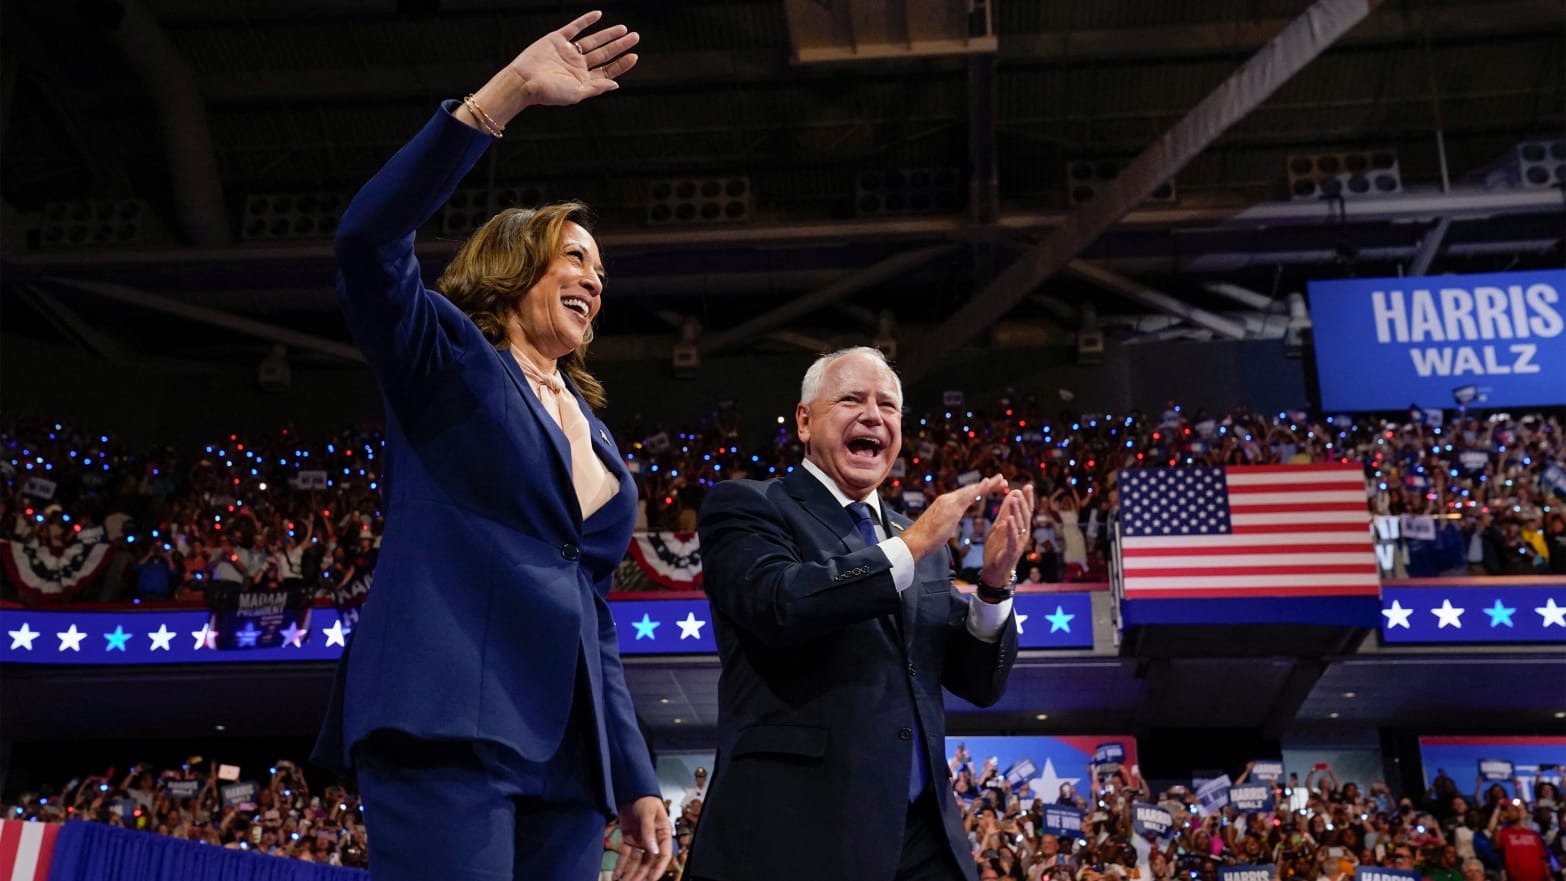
x: 1388, y: 343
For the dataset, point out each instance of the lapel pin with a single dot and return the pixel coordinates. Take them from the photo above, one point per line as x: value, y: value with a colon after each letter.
x: 603, y: 434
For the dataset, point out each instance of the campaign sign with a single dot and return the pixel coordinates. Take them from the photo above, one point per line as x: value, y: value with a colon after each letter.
x: 1495, y: 769
x: 1213, y: 795
x: 1149, y: 819
x: 1377, y: 873
x: 260, y: 618
x: 1474, y: 461
x: 39, y: 488
x: 952, y: 397
x: 1251, y: 798
x: 1246, y: 873
x: 1108, y: 753
x: 1022, y: 769
x: 1062, y: 821
x: 1270, y: 770
x: 1383, y: 343
x: 310, y: 479
x: 182, y: 788
x: 969, y: 477
x: 236, y: 794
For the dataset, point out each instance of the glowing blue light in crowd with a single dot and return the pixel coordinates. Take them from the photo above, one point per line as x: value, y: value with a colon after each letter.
x: 103, y: 438
x: 755, y: 458
x: 706, y: 457
x: 928, y: 478
x: 655, y: 469
x: 48, y: 467
x: 673, y: 473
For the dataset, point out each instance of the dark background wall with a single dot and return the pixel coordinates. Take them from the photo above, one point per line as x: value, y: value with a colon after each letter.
x: 181, y: 405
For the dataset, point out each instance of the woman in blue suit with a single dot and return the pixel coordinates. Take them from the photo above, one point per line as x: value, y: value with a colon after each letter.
x: 481, y: 701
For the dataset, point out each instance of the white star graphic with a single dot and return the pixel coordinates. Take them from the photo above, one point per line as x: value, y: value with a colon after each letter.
x: 1048, y: 786
x: 690, y: 628
x: 160, y: 640
x: 71, y: 639
x: 1021, y: 618
x: 293, y: 635
x: 23, y: 638
x: 206, y: 637
x: 1448, y: 615
x: 1397, y: 616
x: 336, y: 635
x: 1551, y: 613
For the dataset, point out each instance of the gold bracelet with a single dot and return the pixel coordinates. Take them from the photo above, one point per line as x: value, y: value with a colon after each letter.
x: 485, y: 123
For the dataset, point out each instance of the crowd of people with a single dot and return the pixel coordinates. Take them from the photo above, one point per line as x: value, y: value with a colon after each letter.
x: 1321, y: 829
x: 266, y: 510
x: 199, y: 802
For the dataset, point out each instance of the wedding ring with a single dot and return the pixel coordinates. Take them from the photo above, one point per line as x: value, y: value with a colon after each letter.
x: 579, y: 49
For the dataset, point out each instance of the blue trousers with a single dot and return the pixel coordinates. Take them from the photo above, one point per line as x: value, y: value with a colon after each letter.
x: 472, y: 811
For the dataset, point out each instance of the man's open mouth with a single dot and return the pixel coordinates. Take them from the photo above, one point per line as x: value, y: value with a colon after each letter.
x: 867, y: 447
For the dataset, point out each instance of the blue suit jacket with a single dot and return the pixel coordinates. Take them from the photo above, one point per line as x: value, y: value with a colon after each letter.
x: 824, y: 665
x: 490, y: 588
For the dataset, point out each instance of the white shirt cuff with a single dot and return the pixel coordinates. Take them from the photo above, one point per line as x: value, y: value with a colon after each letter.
x: 902, y: 562
x: 985, y: 620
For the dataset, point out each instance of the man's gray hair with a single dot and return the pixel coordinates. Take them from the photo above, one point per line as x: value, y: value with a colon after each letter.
x: 811, y: 386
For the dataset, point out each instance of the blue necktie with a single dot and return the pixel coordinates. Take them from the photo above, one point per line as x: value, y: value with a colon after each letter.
x: 864, y: 519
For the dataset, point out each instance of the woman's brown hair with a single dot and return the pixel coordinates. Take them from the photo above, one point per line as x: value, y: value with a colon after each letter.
x: 501, y: 261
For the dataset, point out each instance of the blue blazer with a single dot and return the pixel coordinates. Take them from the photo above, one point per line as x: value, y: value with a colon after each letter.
x: 490, y: 588
x: 824, y: 666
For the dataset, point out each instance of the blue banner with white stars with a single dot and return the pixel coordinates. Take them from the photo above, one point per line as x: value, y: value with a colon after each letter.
x: 1474, y: 613
x: 647, y: 627
x: 62, y: 636
x: 667, y: 627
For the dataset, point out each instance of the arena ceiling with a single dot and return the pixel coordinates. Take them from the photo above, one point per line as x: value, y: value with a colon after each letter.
x: 878, y: 169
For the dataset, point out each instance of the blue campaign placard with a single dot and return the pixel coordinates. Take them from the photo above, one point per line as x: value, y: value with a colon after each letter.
x: 1495, y: 769
x: 1245, y: 872
x: 1149, y: 819
x: 1474, y: 612
x: 1062, y: 821
x: 1270, y: 770
x: 1109, y: 753
x: 1251, y: 798
x: 1377, y: 873
x: 1388, y: 343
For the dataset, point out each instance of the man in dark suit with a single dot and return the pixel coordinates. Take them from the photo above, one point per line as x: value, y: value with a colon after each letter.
x: 837, y: 625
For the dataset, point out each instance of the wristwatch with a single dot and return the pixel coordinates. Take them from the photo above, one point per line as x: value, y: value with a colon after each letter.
x: 993, y: 595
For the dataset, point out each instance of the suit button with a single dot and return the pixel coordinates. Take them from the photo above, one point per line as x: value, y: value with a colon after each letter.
x: 905, y: 734
x: 570, y: 551
x: 912, y: 671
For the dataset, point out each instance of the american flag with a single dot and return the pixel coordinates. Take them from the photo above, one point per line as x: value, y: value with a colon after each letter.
x: 1263, y: 530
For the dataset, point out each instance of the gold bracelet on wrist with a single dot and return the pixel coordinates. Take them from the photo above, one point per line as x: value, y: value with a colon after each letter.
x: 485, y: 123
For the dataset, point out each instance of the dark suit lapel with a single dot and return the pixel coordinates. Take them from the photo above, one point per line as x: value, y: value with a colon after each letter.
x: 819, y: 501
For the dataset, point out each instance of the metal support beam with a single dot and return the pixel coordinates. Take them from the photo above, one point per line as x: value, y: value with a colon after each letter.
x: 1243, y: 296
x: 855, y: 281
x: 261, y: 329
x: 71, y: 326
x: 983, y: 179
x: 1429, y: 247
x: 1137, y: 292
x: 1299, y: 44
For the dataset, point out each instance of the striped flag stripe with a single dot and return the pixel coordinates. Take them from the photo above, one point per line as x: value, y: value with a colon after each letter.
x: 46, y: 851
x: 1258, y: 540
x: 1360, y: 516
x: 1356, y: 506
x: 1319, y: 562
x: 1142, y: 551
x: 10, y: 839
x: 1235, y: 569
x: 1270, y: 495
x: 1256, y: 581
x: 26, y: 868
x: 1278, y: 590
